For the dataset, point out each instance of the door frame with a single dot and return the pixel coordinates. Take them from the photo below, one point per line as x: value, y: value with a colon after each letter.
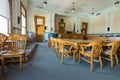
x: 35, y: 21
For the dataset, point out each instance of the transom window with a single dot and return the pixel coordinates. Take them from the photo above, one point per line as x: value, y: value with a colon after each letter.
x: 4, y: 25
x: 23, y: 18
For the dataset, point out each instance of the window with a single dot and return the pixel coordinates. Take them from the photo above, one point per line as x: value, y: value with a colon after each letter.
x: 5, y: 16
x: 23, y: 18
x: 4, y: 25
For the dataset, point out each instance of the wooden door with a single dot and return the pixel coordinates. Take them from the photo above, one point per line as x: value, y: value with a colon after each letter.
x: 61, y: 27
x: 39, y: 24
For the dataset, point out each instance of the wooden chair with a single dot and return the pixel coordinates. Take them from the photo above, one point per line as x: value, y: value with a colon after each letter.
x: 56, y: 45
x: 111, y: 52
x: 18, y: 50
x: 53, y: 44
x: 3, y: 40
x: 66, y: 48
x: 91, y: 52
x: 1, y: 44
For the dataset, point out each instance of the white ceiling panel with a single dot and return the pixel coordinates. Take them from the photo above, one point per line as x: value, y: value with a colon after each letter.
x: 65, y: 6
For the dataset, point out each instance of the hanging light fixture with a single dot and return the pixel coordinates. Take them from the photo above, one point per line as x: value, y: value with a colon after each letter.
x: 73, y: 8
x: 92, y: 11
x: 45, y: 4
x: 117, y: 3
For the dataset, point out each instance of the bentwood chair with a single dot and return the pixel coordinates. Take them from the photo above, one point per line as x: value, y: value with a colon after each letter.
x: 3, y: 40
x: 17, y: 51
x: 3, y: 46
x: 66, y: 49
x: 1, y: 43
x: 53, y: 43
x: 91, y: 52
x: 111, y: 52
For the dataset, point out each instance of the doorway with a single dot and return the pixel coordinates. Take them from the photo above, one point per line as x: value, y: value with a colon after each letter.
x: 39, y: 26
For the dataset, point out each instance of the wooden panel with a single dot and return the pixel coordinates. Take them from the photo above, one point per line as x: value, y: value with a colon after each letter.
x: 71, y: 36
x: 96, y: 38
x: 61, y: 26
x: 68, y: 36
x: 103, y: 38
x: 84, y: 30
x: 39, y: 23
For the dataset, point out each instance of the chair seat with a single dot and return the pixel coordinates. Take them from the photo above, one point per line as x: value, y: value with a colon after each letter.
x: 86, y: 53
x: 107, y: 51
x: 13, y: 53
x: 66, y: 47
x: 3, y: 51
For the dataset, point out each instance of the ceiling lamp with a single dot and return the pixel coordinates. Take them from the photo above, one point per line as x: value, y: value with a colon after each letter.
x: 92, y: 11
x: 73, y: 8
x: 117, y: 3
x: 45, y: 4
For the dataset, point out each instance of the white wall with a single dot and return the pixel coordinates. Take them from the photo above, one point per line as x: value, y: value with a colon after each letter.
x: 108, y: 18
x: 49, y: 19
x: 4, y: 8
x: 70, y: 22
x: 116, y: 21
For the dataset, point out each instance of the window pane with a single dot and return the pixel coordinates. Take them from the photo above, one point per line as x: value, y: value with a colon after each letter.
x: 23, y: 11
x: 3, y: 25
x: 23, y: 18
x: 23, y: 21
x: 23, y: 30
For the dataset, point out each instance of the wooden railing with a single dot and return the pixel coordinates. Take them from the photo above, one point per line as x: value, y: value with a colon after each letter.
x: 71, y: 35
x: 103, y: 38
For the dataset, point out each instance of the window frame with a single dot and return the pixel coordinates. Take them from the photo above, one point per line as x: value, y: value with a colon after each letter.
x: 22, y: 6
x: 10, y: 20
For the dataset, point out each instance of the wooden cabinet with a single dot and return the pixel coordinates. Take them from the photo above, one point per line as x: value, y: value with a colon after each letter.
x: 84, y: 29
x: 61, y: 26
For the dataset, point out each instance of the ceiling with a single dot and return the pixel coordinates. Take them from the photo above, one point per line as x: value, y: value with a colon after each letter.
x: 65, y: 6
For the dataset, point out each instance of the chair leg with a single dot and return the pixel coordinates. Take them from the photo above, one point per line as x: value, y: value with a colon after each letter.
x: 116, y: 57
x: 91, y: 64
x: 20, y: 62
x: 3, y: 64
x: 101, y: 65
x: 74, y: 57
x: 62, y: 59
x: 25, y: 58
x: 111, y: 61
x: 79, y: 56
x: 57, y: 52
x: 59, y: 55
